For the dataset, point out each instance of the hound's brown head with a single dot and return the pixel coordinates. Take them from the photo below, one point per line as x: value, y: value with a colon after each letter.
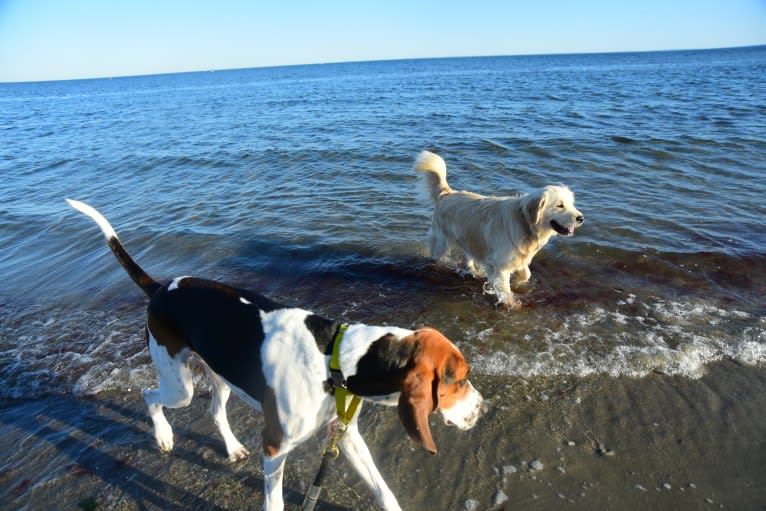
x: 437, y: 379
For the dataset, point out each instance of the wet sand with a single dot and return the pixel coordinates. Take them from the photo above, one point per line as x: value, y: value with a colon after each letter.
x: 659, y: 442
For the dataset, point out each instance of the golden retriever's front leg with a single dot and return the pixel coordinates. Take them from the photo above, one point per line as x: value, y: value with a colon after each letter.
x: 470, y: 265
x: 500, y: 285
x: 522, y: 275
x: 507, y: 297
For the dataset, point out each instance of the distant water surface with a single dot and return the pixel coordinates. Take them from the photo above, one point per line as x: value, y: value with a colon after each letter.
x: 297, y: 182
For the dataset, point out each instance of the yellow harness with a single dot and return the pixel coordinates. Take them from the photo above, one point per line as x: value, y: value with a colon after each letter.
x: 340, y: 391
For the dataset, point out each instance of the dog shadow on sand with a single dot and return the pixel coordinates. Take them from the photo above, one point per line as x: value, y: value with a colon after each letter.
x: 103, y: 449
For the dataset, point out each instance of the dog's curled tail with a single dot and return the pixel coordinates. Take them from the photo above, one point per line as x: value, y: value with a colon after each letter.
x: 139, y: 276
x: 434, y: 172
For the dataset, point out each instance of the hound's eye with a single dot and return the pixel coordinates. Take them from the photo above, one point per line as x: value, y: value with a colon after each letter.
x: 462, y: 383
x: 560, y: 206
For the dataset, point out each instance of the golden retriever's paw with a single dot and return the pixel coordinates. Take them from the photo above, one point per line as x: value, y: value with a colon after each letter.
x: 511, y: 302
x: 506, y: 298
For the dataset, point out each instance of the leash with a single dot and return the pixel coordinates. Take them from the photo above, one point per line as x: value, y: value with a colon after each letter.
x: 338, y: 388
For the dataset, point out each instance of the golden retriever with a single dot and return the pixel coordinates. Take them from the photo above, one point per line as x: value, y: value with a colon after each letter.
x: 501, y: 234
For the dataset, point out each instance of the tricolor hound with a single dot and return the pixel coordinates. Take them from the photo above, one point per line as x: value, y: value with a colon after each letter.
x: 276, y: 359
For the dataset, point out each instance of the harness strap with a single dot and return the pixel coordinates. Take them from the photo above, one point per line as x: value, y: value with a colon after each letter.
x: 338, y: 382
x: 338, y: 387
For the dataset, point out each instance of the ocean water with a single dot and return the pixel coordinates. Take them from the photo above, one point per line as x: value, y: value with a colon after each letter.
x: 297, y: 182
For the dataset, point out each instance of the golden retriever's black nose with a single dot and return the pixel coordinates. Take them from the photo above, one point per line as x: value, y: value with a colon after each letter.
x: 580, y: 219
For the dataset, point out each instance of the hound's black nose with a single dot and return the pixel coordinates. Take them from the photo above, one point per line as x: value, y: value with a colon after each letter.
x: 580, y: 219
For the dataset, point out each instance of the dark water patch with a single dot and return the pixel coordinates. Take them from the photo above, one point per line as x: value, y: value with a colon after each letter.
x: 337, y: 281
x: 496, y: 146
x: 624, y: 140
x: 718, y: 273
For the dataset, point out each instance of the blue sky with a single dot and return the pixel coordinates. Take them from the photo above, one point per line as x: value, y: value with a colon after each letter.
x: 63, y: 39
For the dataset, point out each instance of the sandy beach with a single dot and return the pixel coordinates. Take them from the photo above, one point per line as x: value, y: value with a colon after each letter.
x: 659, y: 442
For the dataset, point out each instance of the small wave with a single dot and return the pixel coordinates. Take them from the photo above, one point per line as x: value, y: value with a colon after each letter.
x: 620, y: 139
x: 622, y: 361
x: 57, y: 163
x: 79, y: 350
x: 495, y: 146
x: 183, y: 162
x: 46, y: 350
x: 633, y: 340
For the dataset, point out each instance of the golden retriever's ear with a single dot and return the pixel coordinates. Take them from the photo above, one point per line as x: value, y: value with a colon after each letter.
x: 416, y: 403
x: 533, y: 206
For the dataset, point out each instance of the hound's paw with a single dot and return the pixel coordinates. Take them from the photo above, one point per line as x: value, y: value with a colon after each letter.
x: 238, y: 453
x: 389, y: 503
x: 164, y: 437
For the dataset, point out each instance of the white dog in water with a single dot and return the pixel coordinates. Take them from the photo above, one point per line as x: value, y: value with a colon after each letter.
x: 501, y: 234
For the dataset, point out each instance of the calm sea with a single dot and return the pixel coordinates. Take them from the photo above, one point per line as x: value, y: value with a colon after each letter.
x: 297, y: 182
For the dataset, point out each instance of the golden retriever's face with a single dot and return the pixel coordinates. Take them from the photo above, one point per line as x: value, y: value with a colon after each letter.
x: 553, y: 207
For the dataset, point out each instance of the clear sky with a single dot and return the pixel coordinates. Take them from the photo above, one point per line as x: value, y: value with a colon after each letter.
x: 62, y: 39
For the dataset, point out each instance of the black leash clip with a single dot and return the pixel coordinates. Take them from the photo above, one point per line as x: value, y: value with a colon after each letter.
x: 336, y: 381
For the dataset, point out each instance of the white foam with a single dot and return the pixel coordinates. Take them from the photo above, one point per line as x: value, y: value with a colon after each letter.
x: 670, y: 337
x: 108, y: 376
x: 53, y: 351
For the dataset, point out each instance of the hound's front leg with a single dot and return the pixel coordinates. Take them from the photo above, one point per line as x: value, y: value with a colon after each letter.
x: 273, y: 468
x: 354, y: 448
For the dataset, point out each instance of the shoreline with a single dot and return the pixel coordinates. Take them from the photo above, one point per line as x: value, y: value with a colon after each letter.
x: 658, y: 442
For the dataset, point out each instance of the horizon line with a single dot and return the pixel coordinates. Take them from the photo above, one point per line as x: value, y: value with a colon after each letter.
x: 381, y: 60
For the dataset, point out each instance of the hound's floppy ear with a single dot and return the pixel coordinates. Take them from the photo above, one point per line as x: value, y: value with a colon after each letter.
x: 533, y: 207
x: 416, y: 403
